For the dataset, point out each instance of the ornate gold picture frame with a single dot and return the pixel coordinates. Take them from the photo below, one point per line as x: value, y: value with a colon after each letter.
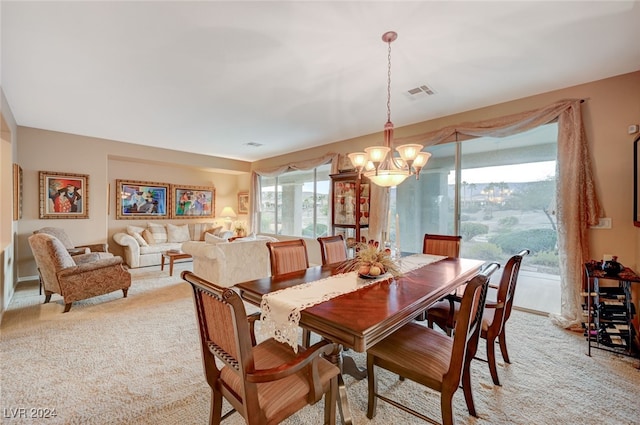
x: 192, y: 201
x: 243, y: 203
x: 64, y: 195
x: 139, y: 199
x: 17, y: 192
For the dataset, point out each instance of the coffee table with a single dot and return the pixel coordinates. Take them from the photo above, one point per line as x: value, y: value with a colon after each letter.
x: 172, y: 255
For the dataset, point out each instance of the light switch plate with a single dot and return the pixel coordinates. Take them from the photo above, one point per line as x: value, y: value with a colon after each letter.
x: 603, y: 223
x: 633, y: 129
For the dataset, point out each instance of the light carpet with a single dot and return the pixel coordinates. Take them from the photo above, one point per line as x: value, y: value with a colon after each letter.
x: 136, y: 360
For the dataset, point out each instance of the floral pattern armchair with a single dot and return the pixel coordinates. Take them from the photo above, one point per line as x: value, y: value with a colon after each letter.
x: 62, y: 236
x: 79, y: 277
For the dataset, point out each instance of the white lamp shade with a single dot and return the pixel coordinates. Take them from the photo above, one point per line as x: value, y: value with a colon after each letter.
x: 377, y: 153
x: 358, y: 159
x: 228, y: 212
x: 421, y: 159
x: 387, y: 178
x: 409, y: 152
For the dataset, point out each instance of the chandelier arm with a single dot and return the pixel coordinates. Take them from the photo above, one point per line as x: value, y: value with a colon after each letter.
x: 400, y: 165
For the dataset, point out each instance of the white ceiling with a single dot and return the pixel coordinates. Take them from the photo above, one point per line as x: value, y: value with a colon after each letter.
x: 211, y: 76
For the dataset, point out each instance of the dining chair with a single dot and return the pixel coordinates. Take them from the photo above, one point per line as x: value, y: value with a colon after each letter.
x: 432, y: 359
x: 333, y: 249
x: 266, y: 382
x: 445, y: 313
x: 447, y: 245
x: 288, y: 257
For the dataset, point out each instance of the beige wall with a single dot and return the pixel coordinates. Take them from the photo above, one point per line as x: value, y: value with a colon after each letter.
x: 8, y: 155
x: 105, y: 161
x: 612, y: 105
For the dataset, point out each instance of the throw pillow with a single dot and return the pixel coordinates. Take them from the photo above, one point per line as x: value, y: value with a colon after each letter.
x: 132, y: 230
x: 213, y: 239
x: 148, y: 237
x: 138, y: 237
x: 177, y: 233
x: 216, y: 230
x: 197, y: 230
x: 159, y: 232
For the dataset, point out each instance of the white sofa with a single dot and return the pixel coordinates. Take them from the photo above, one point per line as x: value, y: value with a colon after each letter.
x: 228, y: 263
x: 143, y: 245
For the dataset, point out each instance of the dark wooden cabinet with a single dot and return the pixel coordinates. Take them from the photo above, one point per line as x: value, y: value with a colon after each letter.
x: 350, y: 205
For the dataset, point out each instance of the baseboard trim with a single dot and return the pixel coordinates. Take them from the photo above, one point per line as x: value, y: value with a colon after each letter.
x: 28, y: 278
x: 528, y: 310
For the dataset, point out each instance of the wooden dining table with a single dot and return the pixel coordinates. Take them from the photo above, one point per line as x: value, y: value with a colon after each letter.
x: 357, y: 320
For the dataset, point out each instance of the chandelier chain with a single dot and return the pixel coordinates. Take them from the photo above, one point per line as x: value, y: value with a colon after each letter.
x: 389, y: 83
x: 378, y: 162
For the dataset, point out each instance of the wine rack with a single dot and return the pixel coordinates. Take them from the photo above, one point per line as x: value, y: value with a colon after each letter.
x: 608, y: 310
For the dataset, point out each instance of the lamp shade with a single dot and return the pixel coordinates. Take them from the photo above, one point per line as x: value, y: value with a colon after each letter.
x: 409, y: 152
x: 228, y: 212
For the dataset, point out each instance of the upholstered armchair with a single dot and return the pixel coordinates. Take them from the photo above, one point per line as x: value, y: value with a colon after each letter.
x: 78, y: 277
x: 62, y: 236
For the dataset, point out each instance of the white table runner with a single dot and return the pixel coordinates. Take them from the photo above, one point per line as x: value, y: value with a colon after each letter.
x: 281, y: 309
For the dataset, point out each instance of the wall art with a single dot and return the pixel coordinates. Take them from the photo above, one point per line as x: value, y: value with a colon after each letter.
x: 193, y: 201
x: 139, y: 199
x: 64, y: 195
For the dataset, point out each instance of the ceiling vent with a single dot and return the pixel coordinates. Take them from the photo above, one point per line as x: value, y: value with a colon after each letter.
x: 253, y: 144
x: 421, y: 91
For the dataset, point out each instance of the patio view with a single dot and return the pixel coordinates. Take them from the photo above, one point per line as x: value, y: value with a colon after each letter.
x: 497, y: 193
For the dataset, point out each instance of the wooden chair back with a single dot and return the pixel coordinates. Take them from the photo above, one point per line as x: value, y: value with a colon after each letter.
x: 333, y: 249
x: 431, y: 358
x: 224, y: 334
x: 289, y: 381
x: 288, y: 256
x: 468, y: 325
x: 506, y: 291
x: 447, y: 245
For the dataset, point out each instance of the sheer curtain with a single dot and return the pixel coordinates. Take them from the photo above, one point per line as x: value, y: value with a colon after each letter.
x: 576, y: 199
x: 256, y: 190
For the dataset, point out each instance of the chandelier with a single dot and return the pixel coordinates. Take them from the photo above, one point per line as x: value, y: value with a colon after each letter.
x: 378, y: 162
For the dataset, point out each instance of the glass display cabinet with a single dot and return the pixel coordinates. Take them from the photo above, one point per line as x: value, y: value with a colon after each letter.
x: 351, y: 201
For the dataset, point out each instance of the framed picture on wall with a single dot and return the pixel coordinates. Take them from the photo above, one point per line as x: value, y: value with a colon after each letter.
x: 64, y: 195
x: 17, y: 192
x: 193, y: 201
x: 138, y: 199
x: 636, y: 182
x: 243, y: 203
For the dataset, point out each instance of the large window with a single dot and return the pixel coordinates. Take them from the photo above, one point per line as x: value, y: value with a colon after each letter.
x: 296, y: 203
x: 498, y: 194
x: 480, y: 188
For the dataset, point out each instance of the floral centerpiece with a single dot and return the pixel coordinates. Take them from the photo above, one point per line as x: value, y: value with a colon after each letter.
x: 240, y: 228
x: 371, y: 260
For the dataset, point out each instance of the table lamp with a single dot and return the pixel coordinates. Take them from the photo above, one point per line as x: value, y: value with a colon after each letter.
x: 228, y: 213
